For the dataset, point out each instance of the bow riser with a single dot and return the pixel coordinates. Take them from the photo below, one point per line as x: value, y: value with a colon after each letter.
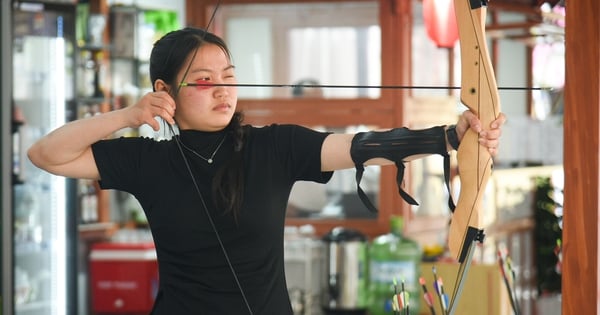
x: 479, y: 92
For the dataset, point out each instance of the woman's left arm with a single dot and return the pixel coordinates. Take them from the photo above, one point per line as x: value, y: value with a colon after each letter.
x: 335, y: 152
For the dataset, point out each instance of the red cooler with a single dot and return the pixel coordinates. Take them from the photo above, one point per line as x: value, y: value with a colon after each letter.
x: 124, y: 277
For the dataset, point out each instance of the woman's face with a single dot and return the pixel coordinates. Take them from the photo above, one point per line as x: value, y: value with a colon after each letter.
x: 206, y: 108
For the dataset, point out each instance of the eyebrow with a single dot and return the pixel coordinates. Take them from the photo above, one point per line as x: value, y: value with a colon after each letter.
x: 229, y: 67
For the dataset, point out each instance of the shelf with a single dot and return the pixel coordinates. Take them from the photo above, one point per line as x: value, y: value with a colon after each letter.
x: 92, y: 47
x: 511, y: 227
x: 34, y: 306
x: 96, y: 231
x: 91, y: 100
x: 28, y: 248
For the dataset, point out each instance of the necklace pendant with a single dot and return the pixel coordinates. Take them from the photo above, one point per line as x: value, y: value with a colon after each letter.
x: 209, y: 160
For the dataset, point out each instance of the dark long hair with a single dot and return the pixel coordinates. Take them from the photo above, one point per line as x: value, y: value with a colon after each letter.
x: 166, y: 60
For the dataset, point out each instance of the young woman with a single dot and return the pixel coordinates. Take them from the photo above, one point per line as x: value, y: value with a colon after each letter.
x: 215, y: 194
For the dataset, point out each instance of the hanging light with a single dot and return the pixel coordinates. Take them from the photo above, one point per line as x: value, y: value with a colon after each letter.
x: 440, y: 22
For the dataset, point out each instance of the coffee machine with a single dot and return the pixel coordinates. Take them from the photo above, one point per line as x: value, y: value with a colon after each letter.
x: 345, y: 280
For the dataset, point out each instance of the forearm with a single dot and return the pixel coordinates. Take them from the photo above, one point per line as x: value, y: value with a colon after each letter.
x: 336, y: 149
x: 397, y: 145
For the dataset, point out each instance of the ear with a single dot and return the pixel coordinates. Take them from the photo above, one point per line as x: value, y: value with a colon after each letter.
x: 160, y: 85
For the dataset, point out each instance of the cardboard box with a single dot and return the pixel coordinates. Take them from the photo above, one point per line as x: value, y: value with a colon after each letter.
x: 483, y: 291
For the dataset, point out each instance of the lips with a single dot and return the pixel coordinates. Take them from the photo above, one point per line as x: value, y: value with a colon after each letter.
x: 222, y: 107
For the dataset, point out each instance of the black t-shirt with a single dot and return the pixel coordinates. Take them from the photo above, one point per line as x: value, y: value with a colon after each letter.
x: 195, y: 277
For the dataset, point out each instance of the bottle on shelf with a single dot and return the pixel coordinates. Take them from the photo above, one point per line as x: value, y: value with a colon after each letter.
x: 88, y: 202
x: 394, y: 264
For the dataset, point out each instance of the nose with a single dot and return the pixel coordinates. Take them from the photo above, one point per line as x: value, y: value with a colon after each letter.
x: 221, y: 91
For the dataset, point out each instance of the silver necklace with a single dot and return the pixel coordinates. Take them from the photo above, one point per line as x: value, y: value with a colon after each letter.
x: 210, y: 159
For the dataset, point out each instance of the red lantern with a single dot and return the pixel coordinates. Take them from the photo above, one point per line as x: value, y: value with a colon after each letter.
x: 440, y: 22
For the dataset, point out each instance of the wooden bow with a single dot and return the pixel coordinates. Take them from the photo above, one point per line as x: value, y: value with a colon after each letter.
x: 479, y: 92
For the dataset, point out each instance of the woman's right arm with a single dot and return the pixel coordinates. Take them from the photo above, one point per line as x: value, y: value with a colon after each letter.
x: 67, y: 151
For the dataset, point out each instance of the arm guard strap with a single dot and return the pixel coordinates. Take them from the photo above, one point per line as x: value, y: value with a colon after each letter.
x: 396, y: 145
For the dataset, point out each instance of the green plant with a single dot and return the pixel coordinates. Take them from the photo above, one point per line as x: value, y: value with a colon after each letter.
x: 547, y: 233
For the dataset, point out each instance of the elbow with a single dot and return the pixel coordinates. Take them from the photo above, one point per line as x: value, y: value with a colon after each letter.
x: 35, y: 155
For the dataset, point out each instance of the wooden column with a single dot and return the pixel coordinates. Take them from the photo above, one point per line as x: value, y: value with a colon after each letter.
x: 581, y: 279
x: 396, y: 21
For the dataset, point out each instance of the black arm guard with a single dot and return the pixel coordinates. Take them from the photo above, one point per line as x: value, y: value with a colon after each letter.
x: 396, y: 145
x: 452, y: 137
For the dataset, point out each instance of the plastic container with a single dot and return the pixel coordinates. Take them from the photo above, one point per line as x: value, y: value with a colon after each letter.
x: 124, y: 278
x: 393, y: 256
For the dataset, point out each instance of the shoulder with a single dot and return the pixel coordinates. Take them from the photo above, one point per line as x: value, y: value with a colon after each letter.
x: 131, y: 145
x: 285, y: 132
x: 285, y: 138
x: 142, y: 141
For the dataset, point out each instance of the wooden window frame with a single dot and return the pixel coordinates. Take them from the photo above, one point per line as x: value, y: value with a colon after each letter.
x: 395, y: 17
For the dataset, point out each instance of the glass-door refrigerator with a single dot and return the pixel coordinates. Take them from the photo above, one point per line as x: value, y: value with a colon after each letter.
x: 39, y: 237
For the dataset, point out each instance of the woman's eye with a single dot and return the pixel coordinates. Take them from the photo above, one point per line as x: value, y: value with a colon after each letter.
x: 204, y: 83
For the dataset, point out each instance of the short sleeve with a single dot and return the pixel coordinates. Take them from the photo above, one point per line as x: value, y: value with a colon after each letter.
x: 303, y: 148
x: 119, y: 160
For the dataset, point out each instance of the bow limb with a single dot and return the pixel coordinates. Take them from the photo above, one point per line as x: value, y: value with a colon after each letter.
x: 479, y: 92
